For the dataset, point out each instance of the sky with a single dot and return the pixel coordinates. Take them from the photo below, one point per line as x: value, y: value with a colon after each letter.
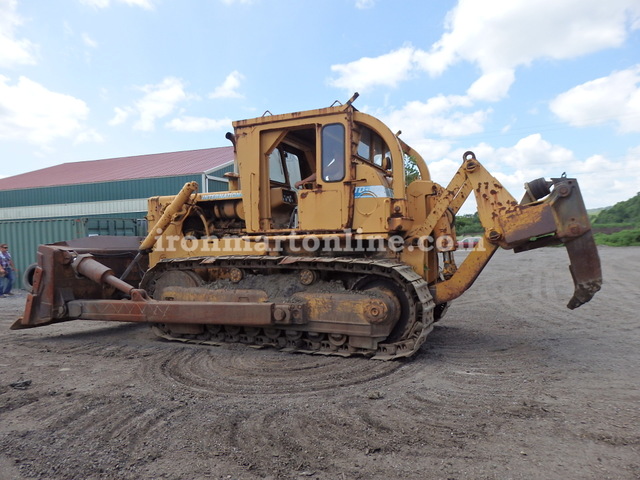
x: 535, y: 89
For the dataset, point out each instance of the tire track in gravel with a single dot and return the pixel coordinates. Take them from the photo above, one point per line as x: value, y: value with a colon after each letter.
x: 239, y: 370
x: 113, y: 428
x: 466, y: 370
x: 309, y: 437
x: 533, y: 301
x: 338, y: 437
x: 85, y: 339
x: 543, y: 287
x: 419, y: 402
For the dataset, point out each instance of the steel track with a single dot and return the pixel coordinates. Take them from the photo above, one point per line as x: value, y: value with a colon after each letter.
x: 419, y: 317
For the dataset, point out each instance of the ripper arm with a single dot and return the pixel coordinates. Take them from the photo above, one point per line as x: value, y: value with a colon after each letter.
x: 551, y: 213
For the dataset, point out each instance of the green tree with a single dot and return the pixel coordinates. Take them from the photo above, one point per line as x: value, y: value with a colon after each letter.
x: 627, y: 211
x: 468, y: 224
x: 411, y: 171
x: 625, y: 238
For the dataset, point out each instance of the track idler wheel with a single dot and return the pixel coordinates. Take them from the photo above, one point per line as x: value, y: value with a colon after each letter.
x: 405, y: 311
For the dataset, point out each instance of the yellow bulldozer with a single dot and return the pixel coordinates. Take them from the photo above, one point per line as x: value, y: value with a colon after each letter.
x: 318, y: 246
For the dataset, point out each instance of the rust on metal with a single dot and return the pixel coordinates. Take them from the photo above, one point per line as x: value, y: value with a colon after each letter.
x: 179, y: 312
x: 99, y: 273
x: 349, y: 309
x: 585, y: 269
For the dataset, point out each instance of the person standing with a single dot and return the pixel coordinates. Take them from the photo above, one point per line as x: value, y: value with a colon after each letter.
x: 6, y: 263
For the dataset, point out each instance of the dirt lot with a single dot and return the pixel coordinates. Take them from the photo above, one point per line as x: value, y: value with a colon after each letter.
x: 510, y: 385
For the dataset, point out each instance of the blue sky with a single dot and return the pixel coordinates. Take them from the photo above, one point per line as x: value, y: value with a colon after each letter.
x: 534, y: 88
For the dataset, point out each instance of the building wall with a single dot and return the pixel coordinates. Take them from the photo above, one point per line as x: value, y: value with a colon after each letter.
x: 31, y: 217
x: 216, y: 181
x: 96, y: 192
x: 134, y: 207
x: 125, y: 197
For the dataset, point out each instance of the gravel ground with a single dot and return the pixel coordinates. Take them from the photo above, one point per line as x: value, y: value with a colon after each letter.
x: 509, y: 385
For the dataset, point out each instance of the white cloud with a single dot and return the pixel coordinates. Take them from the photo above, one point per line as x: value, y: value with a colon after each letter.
x: 492, y: 86
x: 615, y: 98
x: 243, y: 2
x: 13, y: 51
x: 89, y: 136
x: 603, y: 181
x: 121, y: 116
x: 229, y: 88
x: 162, y: 100
x: 430, y: 149
x: 158, y: 101
x: 437, y: 116
x: 388, y: 69
x: 498, y: 37
x: 197, y: 124
x: 146, y: 4
x: 88, y: 41
x: 364, y: 4
x: 28, y: 111
x: 442, y: 172
x: 531, y: 157
x: 96, y: 3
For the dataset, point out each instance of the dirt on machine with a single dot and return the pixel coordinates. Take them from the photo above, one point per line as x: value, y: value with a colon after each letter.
x: 318, y: 246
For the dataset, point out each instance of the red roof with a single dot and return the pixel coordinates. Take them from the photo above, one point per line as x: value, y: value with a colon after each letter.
x: 124, y: 168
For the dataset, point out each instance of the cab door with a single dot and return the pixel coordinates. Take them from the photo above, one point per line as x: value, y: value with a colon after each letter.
x: 325, y: 206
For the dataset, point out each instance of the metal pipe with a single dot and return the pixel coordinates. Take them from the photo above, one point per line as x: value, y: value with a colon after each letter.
x: 92, y: 269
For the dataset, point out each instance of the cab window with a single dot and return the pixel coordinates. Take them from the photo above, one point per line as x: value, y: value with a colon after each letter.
x: 372, y: 148
x: 293, y: 167
x: 333, y: 146
x: 276, y: 172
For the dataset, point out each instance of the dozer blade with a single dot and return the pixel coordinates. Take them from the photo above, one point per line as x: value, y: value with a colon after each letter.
x: 56, y: 282
x: 585, y: 269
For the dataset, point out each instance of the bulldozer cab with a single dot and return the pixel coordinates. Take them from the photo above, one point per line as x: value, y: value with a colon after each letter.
x: 326, y: 171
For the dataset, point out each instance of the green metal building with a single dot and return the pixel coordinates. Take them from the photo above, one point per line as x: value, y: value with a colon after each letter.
x: 98, y: 197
